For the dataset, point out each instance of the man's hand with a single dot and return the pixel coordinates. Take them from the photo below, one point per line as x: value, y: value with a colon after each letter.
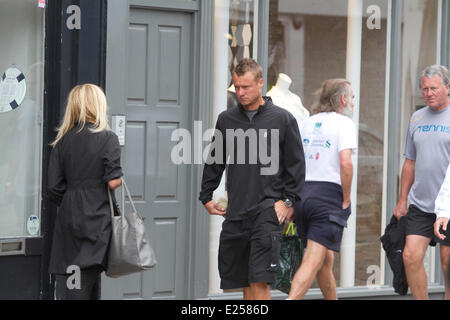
x: 406, y: 182
x: 346, y: 167
x: 441, y: 222
x: 215, y: 209
x: 284, y: 213
x: 345, y: 204
x: 401, y: 209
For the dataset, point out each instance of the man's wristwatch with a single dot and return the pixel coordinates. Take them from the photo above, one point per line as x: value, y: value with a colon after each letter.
x: 288, y: 203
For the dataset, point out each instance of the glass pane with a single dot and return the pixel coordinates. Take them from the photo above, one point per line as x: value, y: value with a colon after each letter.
x: 419, y: 51
x: 371, y: 147
x: 308, y: 42
x: 419, y: 46
x: 242, y: 32
x: 21, y: 99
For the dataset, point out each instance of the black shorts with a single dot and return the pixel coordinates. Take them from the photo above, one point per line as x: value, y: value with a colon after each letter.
x: 319, y: 215
x: 418, y: 222
x: 249, y: 250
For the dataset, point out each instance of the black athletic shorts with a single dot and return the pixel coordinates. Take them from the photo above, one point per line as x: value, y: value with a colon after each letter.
x: 418, y: 222
x: 319, y: 214
x: 249, y: 250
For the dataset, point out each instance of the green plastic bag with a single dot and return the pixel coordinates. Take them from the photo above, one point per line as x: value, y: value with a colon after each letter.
x: 291, y: 254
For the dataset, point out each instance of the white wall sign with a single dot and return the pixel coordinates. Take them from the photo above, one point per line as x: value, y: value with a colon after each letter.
x: 119, y: 126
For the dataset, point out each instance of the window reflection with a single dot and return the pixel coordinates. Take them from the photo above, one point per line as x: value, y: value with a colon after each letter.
x: 21, y: 28
x: 419, y: 47
x: 308, y: 42
x: 241, y: 31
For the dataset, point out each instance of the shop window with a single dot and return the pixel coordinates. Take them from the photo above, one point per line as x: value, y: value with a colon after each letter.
x: 21, y: 100
x: 371, y: 143
x: 419, y: 47
x: 419, y: 50
x: 242, y: 33
x: 308, y: 42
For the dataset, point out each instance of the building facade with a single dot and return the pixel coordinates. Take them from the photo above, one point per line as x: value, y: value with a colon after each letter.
x: 166, y: 65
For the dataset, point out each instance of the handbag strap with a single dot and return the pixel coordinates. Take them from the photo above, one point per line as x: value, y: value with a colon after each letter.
x: 125, y: 190
x: 111, y: 205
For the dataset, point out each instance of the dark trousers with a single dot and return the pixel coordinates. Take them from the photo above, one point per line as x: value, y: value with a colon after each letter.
x: 89, y: 289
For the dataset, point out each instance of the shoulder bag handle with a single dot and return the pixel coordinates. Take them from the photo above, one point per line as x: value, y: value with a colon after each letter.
x: 111, y: 205
x: 124, y: 190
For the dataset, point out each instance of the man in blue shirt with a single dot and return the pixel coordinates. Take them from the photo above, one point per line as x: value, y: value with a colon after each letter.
x: 427, y: 156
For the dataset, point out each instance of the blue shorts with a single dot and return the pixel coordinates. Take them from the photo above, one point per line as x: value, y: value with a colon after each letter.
x: 319, y: 214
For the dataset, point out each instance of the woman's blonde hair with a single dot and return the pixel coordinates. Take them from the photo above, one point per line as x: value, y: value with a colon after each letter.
x: 86, y: 103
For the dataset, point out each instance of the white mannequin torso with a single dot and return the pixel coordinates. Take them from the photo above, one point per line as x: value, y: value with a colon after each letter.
x: 282, y: 97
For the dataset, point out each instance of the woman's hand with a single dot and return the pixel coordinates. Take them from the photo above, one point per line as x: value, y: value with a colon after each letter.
x: 114, y: 184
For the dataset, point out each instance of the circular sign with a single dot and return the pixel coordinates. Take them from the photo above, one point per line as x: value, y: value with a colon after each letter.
x: 12, y: 89
x: 33, y: 225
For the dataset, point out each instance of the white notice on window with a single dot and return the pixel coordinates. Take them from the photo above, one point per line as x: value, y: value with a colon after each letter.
x: 12, y: 89
x: 33, y: 225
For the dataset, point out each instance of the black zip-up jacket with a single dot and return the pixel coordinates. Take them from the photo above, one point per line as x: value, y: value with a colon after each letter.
x: 249, y: 189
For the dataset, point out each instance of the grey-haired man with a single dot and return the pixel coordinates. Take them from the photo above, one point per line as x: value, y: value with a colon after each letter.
x: 427, y: 156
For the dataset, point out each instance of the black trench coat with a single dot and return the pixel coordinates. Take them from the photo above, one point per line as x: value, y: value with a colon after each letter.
x: 80, y: 166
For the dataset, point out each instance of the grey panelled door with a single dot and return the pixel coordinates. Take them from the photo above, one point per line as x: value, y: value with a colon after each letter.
x: 158, y: 101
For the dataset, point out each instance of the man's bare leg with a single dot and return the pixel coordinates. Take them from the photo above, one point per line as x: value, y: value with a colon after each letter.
x: 445, y: 257
x: 325, y: 277
x: 257, y: 291
x: 313, y: 259
x: 413, y: 254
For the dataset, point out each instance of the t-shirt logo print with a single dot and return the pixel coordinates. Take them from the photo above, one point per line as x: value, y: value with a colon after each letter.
x: 328, y: 144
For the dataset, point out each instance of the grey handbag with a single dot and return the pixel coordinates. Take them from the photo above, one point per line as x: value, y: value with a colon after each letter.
x: 129, y: 250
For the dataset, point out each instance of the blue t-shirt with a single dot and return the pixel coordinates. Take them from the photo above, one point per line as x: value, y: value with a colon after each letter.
x: 428, y: 143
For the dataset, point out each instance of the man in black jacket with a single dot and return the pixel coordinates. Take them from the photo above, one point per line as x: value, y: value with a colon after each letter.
x: 260, y: 146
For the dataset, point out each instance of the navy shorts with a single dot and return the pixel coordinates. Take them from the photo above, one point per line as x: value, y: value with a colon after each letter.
x: 319, y: 214
x: 249, y: 250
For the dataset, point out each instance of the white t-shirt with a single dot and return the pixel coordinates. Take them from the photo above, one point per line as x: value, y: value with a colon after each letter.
x: 442, y: 203
x: 324, y: 136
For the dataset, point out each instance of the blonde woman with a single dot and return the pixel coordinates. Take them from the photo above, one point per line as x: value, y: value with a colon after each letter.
x: 85, y: 160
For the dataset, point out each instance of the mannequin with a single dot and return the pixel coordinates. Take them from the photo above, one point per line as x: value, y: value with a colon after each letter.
x: 282, y: 97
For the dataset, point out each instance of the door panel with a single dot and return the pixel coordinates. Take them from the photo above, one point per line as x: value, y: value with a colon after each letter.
x: 158, y: 101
